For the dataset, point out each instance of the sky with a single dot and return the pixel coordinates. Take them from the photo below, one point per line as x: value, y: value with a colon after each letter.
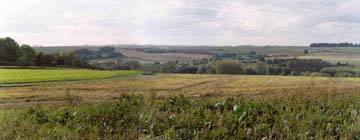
x: 180, y: 22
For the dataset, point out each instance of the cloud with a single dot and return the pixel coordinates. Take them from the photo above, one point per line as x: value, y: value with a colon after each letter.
x: 189, y: 22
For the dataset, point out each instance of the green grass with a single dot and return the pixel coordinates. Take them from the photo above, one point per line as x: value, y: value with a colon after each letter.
x: 334, y: 58
x: 15, y: 76
x: 349, y: 49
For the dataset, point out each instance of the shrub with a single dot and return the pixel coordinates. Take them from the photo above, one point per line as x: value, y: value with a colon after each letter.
x: 344, y: 74
x: 228, y: 67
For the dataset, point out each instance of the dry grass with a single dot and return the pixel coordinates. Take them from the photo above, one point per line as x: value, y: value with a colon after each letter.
x: 194, y: 86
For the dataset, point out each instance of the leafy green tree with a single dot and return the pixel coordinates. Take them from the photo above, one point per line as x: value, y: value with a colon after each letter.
x: 84, y: 53
x: 184, y: 68
x: 133, y: 65
x: 27, y: 55
x: 311, y: 65
x: 39, y: 58
x: 169, y: 67
x: 228, y: 67
x: 9, y: 49
x: 261, y: 68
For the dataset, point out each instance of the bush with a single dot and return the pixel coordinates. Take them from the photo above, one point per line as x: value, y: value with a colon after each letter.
x: 344, y: 74
x: 305, y: 73
x: 228, y: 67
x: 341, y: 71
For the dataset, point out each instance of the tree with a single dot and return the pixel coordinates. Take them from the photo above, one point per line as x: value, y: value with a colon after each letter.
x: 114, y: 55
x: 133, y: 65
x: 67, y: 58
x: 306, y: 51
x: 107, y: 49
x: 9, y: 49
x: 261, y: 68
x: 169, y: 67
x: 186, y: 69
x: 311, y: 65
x: 27, y: 55
x: 228, y: 67
x: 39, y: 58
x: 84, y: 53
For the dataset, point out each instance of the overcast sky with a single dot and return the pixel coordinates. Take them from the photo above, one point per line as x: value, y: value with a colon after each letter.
x: 186, y: 22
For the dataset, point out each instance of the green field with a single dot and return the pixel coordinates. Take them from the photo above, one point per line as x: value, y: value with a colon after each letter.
x: 334, y: 58
x: 14, y: 76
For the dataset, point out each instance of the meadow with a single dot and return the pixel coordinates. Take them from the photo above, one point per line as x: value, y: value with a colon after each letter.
x: 16, y: 76
x: 334, y: 58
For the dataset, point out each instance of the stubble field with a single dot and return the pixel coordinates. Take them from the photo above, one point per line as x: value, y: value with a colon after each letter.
x: 185, y: 107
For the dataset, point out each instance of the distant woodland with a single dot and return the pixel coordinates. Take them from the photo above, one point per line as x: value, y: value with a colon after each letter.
x: 334, y: 45
x: 13, y: 54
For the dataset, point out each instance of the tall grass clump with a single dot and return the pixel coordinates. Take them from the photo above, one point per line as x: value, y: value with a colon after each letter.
x: 178, y: 117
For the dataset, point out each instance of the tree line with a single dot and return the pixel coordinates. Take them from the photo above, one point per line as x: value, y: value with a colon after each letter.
x: 13, y: 54
x: 106, y: 52
x: 346, y: 44
x: 254, y: 64
x: 250, y: 63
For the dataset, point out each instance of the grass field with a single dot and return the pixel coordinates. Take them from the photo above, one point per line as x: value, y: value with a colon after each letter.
x: 352, y: 50
x: 334, y: 58
x: 185, y: 107
x: 14, y: 76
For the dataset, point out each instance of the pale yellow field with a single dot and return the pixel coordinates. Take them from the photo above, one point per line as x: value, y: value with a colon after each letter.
x: 188, y: 85
x: 162, y: 57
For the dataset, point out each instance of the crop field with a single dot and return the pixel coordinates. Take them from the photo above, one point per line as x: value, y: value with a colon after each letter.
x: 174, y: 106
x: 332, y: 55
x: 161, y: 57
x: 15, y: 76
x: 192, y: 86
